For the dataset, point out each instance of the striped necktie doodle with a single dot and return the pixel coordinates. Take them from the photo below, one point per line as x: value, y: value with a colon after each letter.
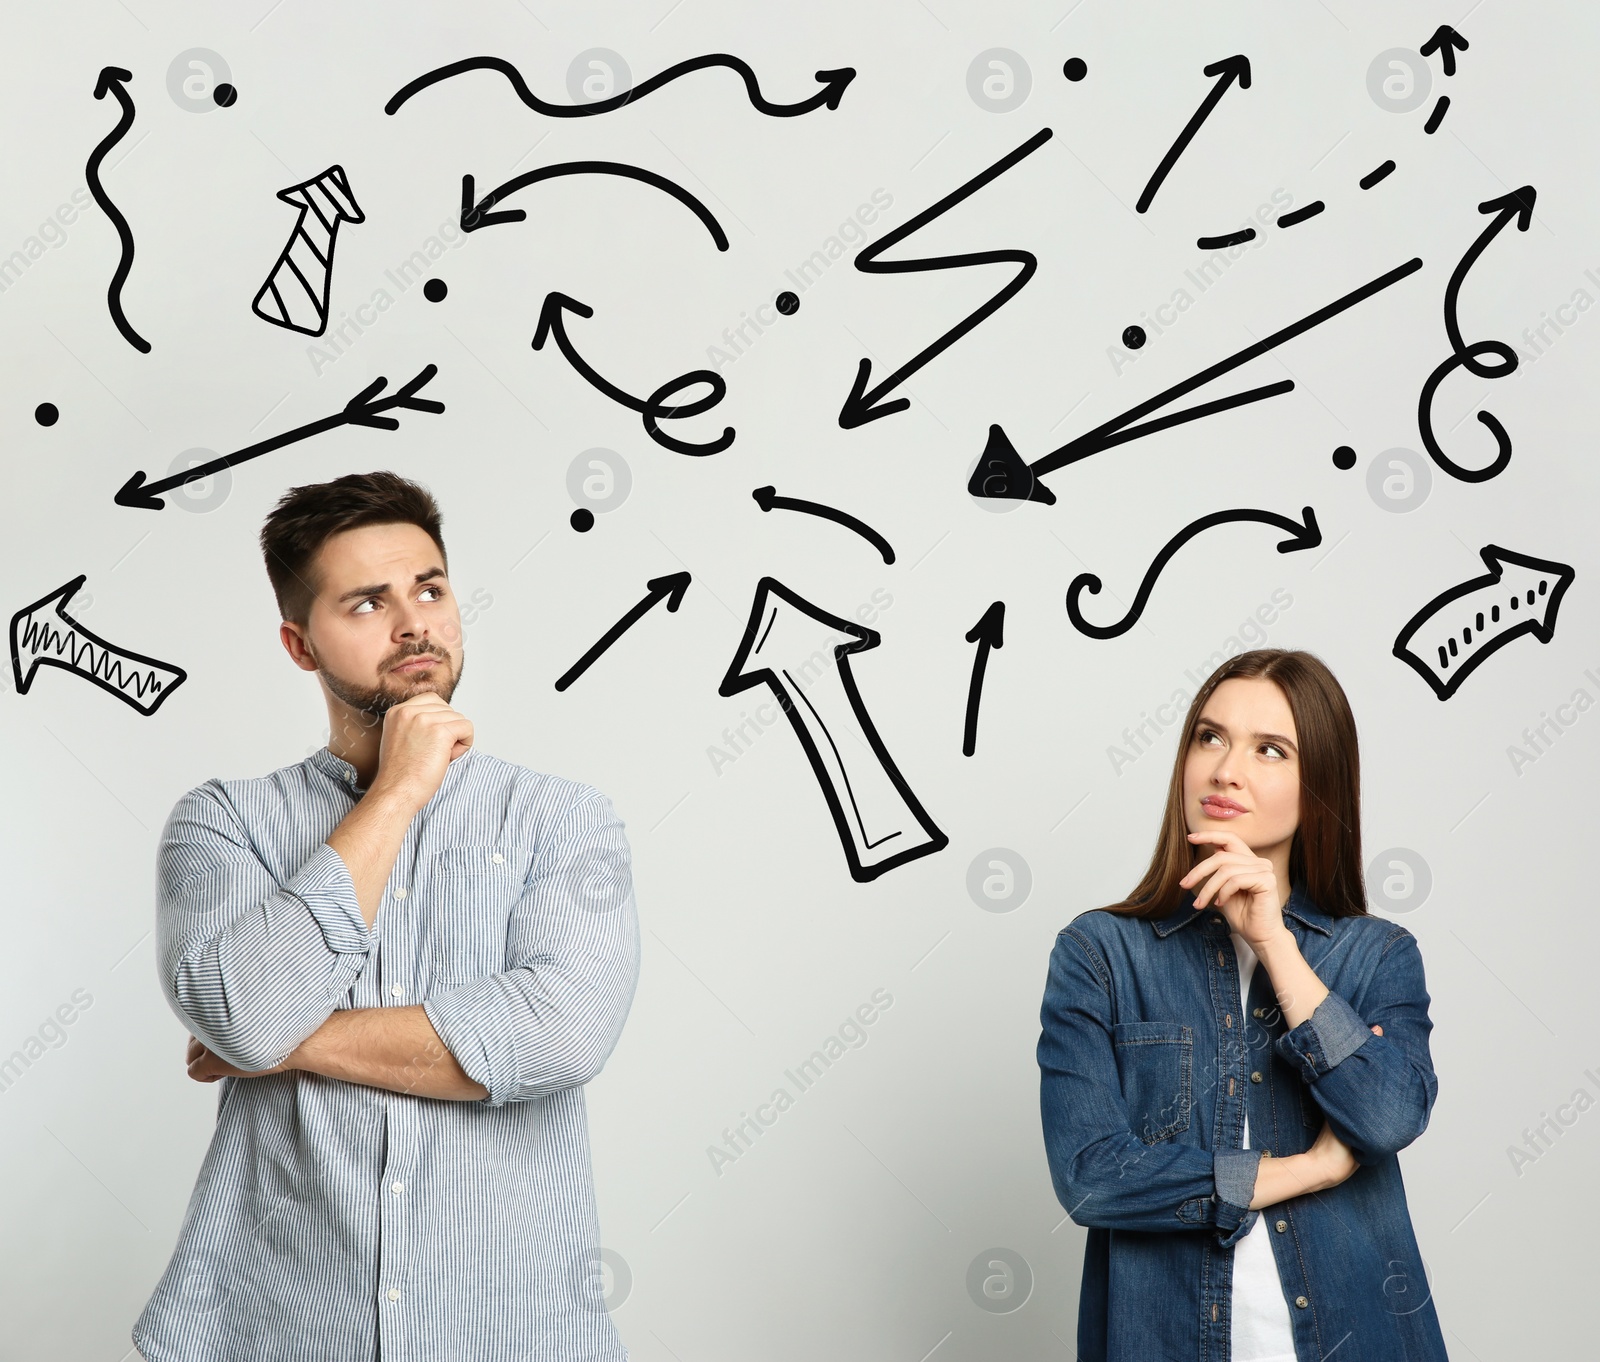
x: 296, y: 292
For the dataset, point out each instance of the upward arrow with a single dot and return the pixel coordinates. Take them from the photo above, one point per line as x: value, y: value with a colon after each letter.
x: 1517, y: 206
x: 1228, y: 70
x: 1446, y: 42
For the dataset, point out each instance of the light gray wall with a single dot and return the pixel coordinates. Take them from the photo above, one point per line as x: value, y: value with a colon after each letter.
x: 849, y: 1228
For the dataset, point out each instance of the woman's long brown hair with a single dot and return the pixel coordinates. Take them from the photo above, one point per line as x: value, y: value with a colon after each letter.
x: 1325, y: 854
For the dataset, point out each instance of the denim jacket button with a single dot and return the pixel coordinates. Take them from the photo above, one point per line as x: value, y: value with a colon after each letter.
x: 1280, y: 1225
x: 1301, y: 1301
x: 1256, y: 1076
x: 1258, y: 1012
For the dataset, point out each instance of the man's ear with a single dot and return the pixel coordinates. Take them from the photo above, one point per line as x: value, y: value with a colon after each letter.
x: 297, y: 646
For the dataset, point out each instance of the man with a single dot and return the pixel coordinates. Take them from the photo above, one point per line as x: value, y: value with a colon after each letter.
x: 402, y: 958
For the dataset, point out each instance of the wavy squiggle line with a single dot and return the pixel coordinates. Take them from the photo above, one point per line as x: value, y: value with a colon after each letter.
x: 111, y: 79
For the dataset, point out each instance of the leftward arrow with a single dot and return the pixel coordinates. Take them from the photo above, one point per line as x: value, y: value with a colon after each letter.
x: 364, y: 409
x: 669, y: 589
x: 1303, y: 534
x: 790, y: 646
x: 475, y: 212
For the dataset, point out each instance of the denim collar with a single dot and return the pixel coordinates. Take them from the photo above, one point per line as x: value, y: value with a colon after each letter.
x: 343, y: 772
x: 1299, y: 907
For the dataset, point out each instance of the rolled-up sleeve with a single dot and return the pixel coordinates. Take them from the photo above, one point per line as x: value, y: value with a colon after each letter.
x: 552, y: 1019
x: 250, y: 965
x: 1104, y: 1174
x: 1376, y: 1092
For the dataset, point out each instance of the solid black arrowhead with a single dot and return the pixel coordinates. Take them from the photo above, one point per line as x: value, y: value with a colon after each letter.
x: 1305, y: 536
x: 132, y: 493
x: 990, y: 629
x: 476, y: 214
x: 1232, y: 68
x: 1518, y: 201
x: 1446, y: 42
x: 550, y: 315
x: 858, y: 409
x: 1002, y: 473
x: 764, y: 497
x: 835, y: 83
x: 109, y: 76
x: 672, y: 586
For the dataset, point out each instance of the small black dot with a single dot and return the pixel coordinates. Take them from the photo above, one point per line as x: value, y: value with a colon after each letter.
x: 434, y: 290
x: 1075, y: 69
x: 225, y: 95
x: 1133, y: 337
x: 46, y: 414
x: 582, y: 520
x: 1344, y: 457
x: 788, y: 303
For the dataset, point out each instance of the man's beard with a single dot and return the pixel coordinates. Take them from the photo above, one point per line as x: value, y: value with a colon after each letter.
x: 378, y: 702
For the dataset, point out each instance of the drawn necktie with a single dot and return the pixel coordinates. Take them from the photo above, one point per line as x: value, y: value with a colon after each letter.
x: 296, y: 292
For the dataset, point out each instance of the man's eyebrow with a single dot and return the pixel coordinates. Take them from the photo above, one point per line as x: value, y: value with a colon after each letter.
x: 1223, y: 728
x: 362, y: 592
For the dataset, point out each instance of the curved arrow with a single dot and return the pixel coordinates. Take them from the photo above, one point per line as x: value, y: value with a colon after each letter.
x: 476, y: 215
x: 1228, y: 70
x: 669, y: 589
x: 360, y: 410
x: 987, y: 633
x: 832, y: 91
x: 768, y: 499
x: 111, y: 80
x: 1303, y: 534
x: 1446, y: 42
x: 650, y: 408
x: 862, y: 404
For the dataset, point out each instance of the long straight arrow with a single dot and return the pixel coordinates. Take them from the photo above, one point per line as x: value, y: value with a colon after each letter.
x: 1228, y: 70
x: 360, y: 410
x: 476, y: 214
x: 1303, y: 534
x: 669, y: 589
x: 862, y: 405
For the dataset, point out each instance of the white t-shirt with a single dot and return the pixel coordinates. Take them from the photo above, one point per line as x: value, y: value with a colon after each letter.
x: 1261, y: 1328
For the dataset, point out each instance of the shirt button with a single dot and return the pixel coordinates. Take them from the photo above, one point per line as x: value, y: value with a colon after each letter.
x: 497, y: 858
x: 398, y: 990
x: 1256, y: 1076
x: 394, y: 1294
x: 400, y: 893
x: 1301, y: 1301
x: 398, y: 1187
x: 1280, y: 1225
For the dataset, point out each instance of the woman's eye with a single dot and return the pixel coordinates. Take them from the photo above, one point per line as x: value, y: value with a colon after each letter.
x: 1273, y: 747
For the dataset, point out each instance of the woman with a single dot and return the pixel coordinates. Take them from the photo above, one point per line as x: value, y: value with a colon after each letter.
x: 1232, y: 1057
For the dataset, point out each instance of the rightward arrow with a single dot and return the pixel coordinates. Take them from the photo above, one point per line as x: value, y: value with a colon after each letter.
x: 37, y: 640
x: 364, y: 409
x: 1228, y: 70
x: 652, y: 408
x: 475, y: 212
x: 1303, y: 534
x: 987, y: 633
x: 1459, y: 629
x: 863, y: 404
x: 833, y: 83
x: 791, y: 646
x: 669, y: 589
x: 1446, y: 42
x: 1517, y: 206
x: 1002, y: 472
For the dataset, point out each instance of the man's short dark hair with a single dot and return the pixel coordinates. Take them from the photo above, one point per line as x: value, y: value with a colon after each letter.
x: 306, y: 517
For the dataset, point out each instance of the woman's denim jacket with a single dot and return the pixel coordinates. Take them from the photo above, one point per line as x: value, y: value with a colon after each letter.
x: 1146, y: 1068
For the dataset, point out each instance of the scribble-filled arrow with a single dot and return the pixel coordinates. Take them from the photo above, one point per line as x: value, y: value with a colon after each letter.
x: 1228, y: 70
x: 296, y: 292
x: 987, y: 633
x: 364, y: 409
x: 37, y: 640
x: 669, y: 589
x: 863, y: 405
x: 789, y: 646
x: 1303, y: 534
x: 767, y: 499
x: 112, y: 79
x: 475, y: 212
x: 1459, y: 629
x: 1517, y: 206
x: 1446, y: 42
x: 833, y: 87
x: 652, y: 408
x: 1002, y: 472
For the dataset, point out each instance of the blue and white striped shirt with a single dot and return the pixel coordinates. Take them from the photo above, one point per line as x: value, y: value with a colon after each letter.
x: 336, y: 1222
